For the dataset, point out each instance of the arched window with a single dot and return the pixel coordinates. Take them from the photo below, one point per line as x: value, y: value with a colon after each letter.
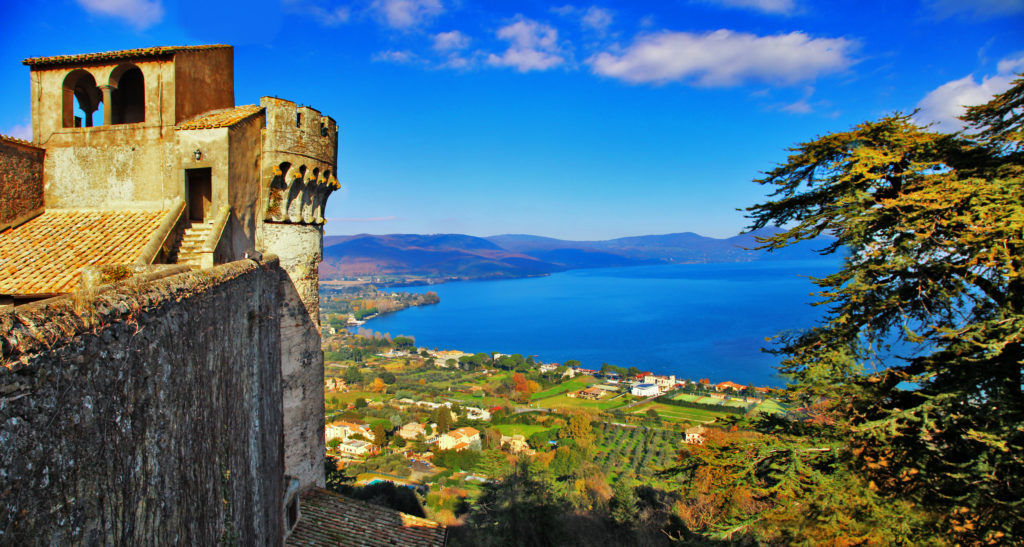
x: 128, y: 94
x: 81, y: 100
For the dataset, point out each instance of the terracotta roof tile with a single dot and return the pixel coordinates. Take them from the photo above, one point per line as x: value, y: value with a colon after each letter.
x: 8, y: 138
x: 332, y: 519
x: 222, y: 118
x: 46, y: 254
x: 114, y: 55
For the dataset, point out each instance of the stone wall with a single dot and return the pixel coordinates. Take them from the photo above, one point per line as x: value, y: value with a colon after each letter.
x: 21, y: 180
x: 147, y: 415
x: 300, y: 248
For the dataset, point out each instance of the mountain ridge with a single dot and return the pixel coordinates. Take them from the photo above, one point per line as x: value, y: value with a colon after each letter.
x: 463, y: 256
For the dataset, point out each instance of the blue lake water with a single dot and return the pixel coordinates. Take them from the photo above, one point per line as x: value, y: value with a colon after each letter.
x: 691, y: 320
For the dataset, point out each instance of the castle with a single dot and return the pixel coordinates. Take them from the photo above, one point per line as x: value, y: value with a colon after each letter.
x: 162, y: 377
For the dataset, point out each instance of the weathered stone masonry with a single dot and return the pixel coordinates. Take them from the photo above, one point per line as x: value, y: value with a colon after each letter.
x: 21, y: 181
x: 148, y: 415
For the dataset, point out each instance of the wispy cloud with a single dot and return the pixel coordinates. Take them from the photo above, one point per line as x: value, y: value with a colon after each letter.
x: 367, y: 219
x: 776, y: 7
x: 594, y: 18
x: 327, y: 16
x: 801, y: 106
x: 943, y: 105
x: 533, y: 46
x: 139, y: 13
x: 402, y: 56
x: 406, y: 14
x: 980, y: 9
x: 725, y: 58
x: 449, y: 41
x: 23, y: 131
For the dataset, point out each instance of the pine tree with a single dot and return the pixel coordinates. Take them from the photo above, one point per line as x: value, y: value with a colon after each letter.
x: 933, y: 228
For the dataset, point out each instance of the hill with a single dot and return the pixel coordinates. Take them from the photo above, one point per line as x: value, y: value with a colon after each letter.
x: 444, y: 255
x: 518, y: 255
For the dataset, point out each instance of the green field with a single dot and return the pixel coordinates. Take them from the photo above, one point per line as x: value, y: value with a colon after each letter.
x: 771, y: 406
x: 520, y: 429
x: 678, y: 413
x: 571, y: 402
x: 710, y: 400
x: 351, y: 396
x: 575, y: 384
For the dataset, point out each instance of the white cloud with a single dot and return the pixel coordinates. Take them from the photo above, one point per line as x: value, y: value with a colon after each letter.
x: 598, y: 19
x: 944, y: 104
x: 404, y: 14
x: 330, y: 17
x: 23, y: 131
x: 140, y: 13
x: 449, y: 41
x: 725, y: 58
x: 981, y: 9
x: 778, y: 7
x: 403, y: 56
x: 533, y: 46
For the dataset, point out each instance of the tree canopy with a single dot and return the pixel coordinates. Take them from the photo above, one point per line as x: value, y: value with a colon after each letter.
x: 916, y: 368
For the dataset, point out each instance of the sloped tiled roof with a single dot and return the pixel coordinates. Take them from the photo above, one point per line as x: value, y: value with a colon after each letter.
x: 46, y: 254
x: 16, y: 140
x: 114, y: 55
x: 332, y: 519
x: 222, y: 118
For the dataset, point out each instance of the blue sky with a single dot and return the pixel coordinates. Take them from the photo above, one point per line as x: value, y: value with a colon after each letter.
x: 579, y: 120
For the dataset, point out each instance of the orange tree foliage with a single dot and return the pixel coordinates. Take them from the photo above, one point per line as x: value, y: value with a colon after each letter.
x: 919, y: 359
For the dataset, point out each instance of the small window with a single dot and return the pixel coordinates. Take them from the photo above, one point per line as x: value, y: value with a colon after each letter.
x: 298, y: 119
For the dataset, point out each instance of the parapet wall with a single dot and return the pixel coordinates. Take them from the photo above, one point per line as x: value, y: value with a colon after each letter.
x: 147, y: 415
x: 21, y: 180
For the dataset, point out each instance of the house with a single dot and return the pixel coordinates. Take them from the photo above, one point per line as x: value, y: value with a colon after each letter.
x: 664, y: 383
x: 607, y: 388
x: 412, y: 430
x: 645, y: 390
x: 591, y: 393
x: 694, y: 435
x: 327, y: 517
x: 474, y: 413
x: 730, y: 385
x: 459, y: 439
x: 335, y: 384
x: 516, y: 444
x: 355, y: 447
x: 547, y: 367
x: 344, y: 430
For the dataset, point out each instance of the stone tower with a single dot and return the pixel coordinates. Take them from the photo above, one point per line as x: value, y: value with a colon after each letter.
x: 300, y: 149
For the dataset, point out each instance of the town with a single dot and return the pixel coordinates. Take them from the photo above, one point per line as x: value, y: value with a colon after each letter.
x: 438, y: 426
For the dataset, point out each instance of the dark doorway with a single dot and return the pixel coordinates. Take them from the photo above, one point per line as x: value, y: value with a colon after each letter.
x: 200, y: 192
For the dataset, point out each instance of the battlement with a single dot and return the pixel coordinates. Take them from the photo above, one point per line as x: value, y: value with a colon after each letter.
x: 300, y: 156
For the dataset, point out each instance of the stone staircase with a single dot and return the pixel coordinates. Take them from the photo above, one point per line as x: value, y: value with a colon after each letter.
x: 190, y: 250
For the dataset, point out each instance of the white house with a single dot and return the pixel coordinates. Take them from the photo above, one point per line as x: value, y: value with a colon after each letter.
x: 664, y: 383
x: 694, y: 435
x: 343, y: 430
x: 355, y: 447
x: 645, y: 390
x: 458, y: 439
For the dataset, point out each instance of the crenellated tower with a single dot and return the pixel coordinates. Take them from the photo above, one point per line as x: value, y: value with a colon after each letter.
x: 299, y: 162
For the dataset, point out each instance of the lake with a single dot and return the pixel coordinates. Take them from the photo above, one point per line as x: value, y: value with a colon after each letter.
x: 691, y: 320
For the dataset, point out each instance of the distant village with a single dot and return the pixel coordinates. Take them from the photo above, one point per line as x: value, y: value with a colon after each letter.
x: 351, y: 440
